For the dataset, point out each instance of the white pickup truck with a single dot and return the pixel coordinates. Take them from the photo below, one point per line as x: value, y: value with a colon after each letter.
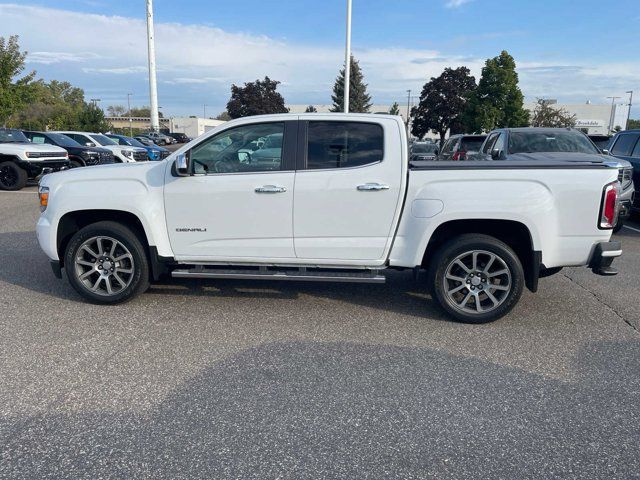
x: 335, y: 200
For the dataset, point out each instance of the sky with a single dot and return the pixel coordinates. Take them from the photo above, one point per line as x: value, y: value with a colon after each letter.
x: 571, y: 50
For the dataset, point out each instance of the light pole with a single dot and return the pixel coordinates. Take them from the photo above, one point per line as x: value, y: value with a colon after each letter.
x: 129, y: 106
x: 204, y: 110
x: 408, y: 111
x: 630, y: 92
x: 153, y: 86
x: 611, y: 117
x: 347, y: 60
x: 95, y: 101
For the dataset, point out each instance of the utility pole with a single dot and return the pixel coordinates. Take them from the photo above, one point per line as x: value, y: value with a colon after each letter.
x: 153, y: 86
x: 95, y: 101
x: 129, y: 106
x: 204, y: 110
x: 408, y: 111
x: 347, y: 60
x: 630, y: 92
x: 611, y: 117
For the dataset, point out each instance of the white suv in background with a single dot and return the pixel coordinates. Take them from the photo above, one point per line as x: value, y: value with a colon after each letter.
x: 122, y: 153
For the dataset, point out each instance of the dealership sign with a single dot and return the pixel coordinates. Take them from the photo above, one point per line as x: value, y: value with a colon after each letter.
x: 589, y: 123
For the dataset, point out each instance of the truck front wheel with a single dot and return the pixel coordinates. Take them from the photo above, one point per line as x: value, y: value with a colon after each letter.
x: 106, y: 263
x: 476, y: 278
x: 12, y: 177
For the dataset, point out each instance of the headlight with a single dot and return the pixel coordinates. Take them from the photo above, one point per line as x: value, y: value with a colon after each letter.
x: 43, y: 195
x: 127, y: 153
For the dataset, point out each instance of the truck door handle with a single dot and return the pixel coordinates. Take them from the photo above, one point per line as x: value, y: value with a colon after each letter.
x: 270, y: 189
x: 372, y: 187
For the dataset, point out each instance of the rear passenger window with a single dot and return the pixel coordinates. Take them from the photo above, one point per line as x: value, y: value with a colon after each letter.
x: 343, y: 144
x: 624, y: 145
x: 636, y: 151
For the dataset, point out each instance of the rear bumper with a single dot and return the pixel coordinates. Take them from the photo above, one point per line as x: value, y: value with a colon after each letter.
x: 603, y: 256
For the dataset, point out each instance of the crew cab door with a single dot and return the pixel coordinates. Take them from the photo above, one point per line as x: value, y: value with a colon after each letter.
x: 237, y: 204
x: 349, y: 185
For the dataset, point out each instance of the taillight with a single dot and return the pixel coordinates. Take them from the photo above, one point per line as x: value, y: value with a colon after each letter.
x: 610, y: 206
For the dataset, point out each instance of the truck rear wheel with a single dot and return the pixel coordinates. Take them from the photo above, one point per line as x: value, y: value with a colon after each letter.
x: 106, y: 263
x: 12, y: 177
x: 476, y: 278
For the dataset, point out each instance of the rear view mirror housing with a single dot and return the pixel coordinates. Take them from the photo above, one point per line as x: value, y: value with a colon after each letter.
x: 182, y: 165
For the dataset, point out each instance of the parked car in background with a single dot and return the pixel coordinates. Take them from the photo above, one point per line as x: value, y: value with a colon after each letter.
x: 343, y: 204
x: 147, y: 142
x: 122, y: 154
x: 79, y: 155
x: 550, y: 144
x: 20, y: 160
x: 179, y: 137
x: 625, y: 146
x: 423, y: 151
x: 600, y: 141
x: 460, y: 147
x: 160, y: 138
x: 154, y: 152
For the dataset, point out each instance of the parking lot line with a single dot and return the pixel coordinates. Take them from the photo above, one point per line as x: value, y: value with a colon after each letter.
x: 631, y: 228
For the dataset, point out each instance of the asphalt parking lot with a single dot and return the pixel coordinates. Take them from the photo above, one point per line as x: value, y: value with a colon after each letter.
x: 239, y: 379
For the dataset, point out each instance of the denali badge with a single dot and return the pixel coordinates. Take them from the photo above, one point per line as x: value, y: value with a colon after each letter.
x: 189, y: 230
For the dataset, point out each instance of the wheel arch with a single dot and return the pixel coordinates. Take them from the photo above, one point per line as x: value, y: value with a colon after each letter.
x: 513, y: 233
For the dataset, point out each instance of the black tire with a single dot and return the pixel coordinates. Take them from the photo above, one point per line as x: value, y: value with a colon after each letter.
x: 493, y: 303
x: 12, y: 177
x: 75, y: 164
x: 136, y: 283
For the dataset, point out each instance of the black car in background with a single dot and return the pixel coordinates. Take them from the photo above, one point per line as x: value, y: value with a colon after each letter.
x: 79, y: 155
x: 626, y: 146
x: 422, y: 151
x: 179, y: 137
x: 460, y: 147
x: 601, y: 141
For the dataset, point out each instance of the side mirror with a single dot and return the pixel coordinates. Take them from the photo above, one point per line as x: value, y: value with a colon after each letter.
x: 605, y: 151
x: 182, y: 165
x: 90, y: 144
x: 496, y: 154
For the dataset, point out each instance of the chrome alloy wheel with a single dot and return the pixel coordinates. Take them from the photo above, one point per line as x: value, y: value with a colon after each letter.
x: 477, y: 282
x: 104, y: 265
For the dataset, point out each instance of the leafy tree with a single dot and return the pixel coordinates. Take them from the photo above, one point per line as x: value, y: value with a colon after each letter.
x: 359, y: 99
x: 14, y: 92
x: 633, y: 124
x: 311, y: 109
x: 546, y: 115
x: 223, y: 116
x: 395, y: 109
x: 91, y: 119
x: 498, y: 101
x: 617, y: 128
x: 256, y: 98
x: 144, y: 111
x: 442, y: 103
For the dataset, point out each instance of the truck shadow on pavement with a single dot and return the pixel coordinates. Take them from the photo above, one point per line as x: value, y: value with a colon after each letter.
x: 345, y: 410
x: 24, y: 265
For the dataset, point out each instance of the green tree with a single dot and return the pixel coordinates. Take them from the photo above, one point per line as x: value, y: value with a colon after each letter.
x: 117, y: 111
x: 14, y: 91
x: 223, y: 116
x: 633, y: 124
x: 256, y: 98
x: 91, y: 119
x: 359, y: 99
x: 442, y: 103
x: 395, y: 109
x: 498, y: 101
x: 546, y: 115
x: 311, y: 109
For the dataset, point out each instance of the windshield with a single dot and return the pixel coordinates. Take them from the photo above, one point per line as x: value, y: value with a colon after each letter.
x: 547, y: 142
x: 133, y: 142
x: 423, y: 148
x: 472, y: 144
x: 102, y: 140
x: 63, y: 140
x: 11, y: 135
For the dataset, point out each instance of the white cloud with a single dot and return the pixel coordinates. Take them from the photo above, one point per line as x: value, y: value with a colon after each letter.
x: 456, y: 3
x: 107, y: 56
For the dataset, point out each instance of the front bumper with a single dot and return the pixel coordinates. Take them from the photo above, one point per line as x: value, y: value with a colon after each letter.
x: 603, y: 256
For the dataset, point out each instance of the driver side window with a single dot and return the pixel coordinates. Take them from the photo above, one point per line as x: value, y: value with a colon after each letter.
x: 244, y: 149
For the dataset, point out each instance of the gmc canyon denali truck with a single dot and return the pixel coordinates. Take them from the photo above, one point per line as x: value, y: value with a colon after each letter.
x: 20, y: 160
x: 338, y: 200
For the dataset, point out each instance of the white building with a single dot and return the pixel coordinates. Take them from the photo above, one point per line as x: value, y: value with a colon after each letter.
x: 192, y: 126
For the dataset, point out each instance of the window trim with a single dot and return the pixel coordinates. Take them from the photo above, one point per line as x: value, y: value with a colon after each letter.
x: 303, y: 144
x: 289, y: 143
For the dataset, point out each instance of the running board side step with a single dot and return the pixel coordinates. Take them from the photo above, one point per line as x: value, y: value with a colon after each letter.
x: 292, y: 274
